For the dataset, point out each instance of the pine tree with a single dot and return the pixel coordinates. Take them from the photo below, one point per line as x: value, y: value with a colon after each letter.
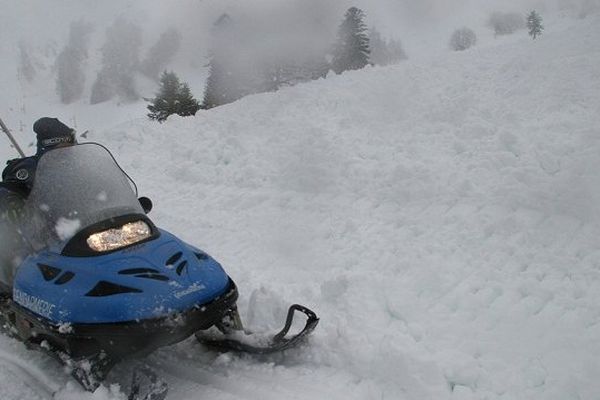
x: 351, y: 50
x: 161, y: 53
x: 534, y: 24
x: 26, y: 68
x: 396, y: 51
x: 188, y: 105
x: 505, y: 23
x: 102, y: 89
x: 384, y: 52
x: 226, y: 75
x: 173, y: 97
x: 219, y: 89
x: 70, y: 79
x: 379, y: 50
x: 120, y: 60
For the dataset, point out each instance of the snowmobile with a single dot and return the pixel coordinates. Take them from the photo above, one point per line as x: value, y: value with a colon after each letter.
x: 102, y: 283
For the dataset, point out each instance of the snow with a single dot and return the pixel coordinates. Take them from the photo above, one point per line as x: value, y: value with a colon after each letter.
x: 66, y: 228
x: 65, y: 328
x: 441, y: 216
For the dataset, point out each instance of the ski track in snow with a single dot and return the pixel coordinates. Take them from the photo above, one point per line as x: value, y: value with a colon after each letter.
x: 34, y: 380
x: 253, y: 383
x: 442, y: 218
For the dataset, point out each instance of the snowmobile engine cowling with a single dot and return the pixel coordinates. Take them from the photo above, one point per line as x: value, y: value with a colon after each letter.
x: 148, y: 280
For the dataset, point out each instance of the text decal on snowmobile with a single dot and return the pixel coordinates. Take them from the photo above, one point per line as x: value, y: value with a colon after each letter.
x: 33, y: 303
x: 192, y: 289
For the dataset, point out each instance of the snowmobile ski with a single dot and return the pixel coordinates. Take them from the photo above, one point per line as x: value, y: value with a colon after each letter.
x: 277, y: 343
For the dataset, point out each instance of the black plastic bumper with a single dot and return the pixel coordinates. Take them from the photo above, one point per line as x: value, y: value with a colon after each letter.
x: 127, y: 339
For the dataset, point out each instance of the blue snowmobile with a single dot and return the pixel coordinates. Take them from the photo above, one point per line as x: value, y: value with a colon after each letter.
x: 101, y: 283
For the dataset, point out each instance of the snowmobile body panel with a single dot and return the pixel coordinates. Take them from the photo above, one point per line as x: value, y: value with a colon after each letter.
x: 122, y: 339
x: 145, y: 281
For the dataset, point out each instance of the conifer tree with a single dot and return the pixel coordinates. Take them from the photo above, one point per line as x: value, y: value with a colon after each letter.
x: 219, y: 89
x: 225, y: 83
x: 396, y: 51
x: 379, y: 50
x: 161, y: 53
x: 26, y: 68
x: 506, y: 23
x: 120, y: 60
x: 70, y: 79
x: 173, y: 97
x: 534, y: 24
x: 102, y: 89
x: 351, y: 50
x: 384, y: 52
x: 188, y: 105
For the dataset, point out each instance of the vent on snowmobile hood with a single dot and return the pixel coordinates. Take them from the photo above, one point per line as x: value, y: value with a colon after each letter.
x: 64, y: 278
x: 48, y: 272
x: 148, y: 273
x: 156, y: 277
x: 104, y: 288
x: 181, y: 267
x: 176, y: 258
x: 134, y: 271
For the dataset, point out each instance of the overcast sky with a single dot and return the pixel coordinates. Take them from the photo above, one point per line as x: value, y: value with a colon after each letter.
x: 393, y: 17
x: 423, y: 26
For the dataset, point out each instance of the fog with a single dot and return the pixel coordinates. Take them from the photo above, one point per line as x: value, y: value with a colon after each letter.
x: 39, y: 30
x: 42, y: 23
x: 42, y: 20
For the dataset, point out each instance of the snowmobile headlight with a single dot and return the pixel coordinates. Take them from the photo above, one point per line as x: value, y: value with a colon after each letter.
x: 113, y: 239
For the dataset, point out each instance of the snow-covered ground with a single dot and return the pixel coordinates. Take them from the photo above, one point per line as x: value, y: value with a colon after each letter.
x: 441, y: 216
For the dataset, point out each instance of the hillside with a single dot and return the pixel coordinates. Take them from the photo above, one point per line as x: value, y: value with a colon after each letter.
x: 442, y: 217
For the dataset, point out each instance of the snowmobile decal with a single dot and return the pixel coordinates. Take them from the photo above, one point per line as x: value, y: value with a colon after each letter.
x: 192, y: 289
x: 35, y: 304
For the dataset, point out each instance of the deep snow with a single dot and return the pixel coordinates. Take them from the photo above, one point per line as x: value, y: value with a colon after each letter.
x: 441, y: 216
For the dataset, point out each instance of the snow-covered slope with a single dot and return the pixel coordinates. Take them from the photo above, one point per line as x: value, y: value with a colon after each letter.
x: 441, y: 217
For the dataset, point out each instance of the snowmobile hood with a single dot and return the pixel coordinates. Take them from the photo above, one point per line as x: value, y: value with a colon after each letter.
x: 153, y: 279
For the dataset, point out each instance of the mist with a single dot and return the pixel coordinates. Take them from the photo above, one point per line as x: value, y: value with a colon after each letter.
x: 37, y: 31
x: 39, y: 21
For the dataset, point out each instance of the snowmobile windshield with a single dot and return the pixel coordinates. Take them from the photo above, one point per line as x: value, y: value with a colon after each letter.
x: 75, y: 187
